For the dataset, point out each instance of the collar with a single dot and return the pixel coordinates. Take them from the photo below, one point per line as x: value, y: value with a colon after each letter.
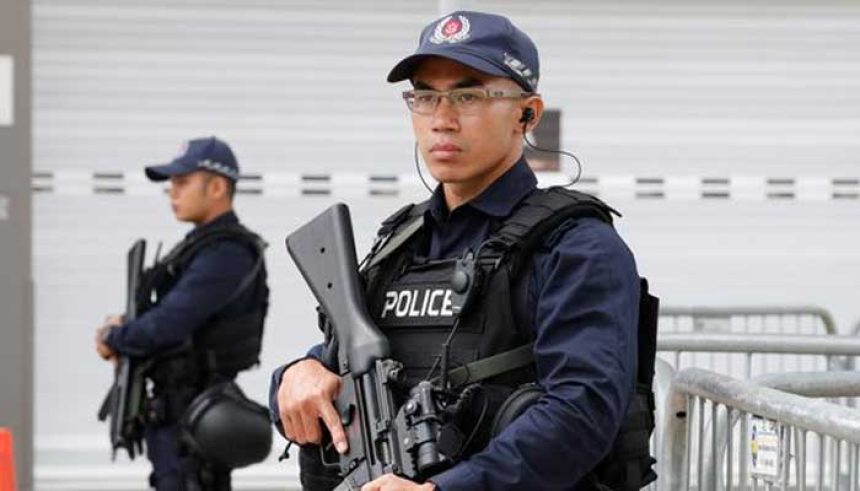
x: 227, y: 218
x: 499, y: 199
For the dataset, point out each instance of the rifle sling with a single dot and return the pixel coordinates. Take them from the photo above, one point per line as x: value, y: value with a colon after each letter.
x: 491, y: 366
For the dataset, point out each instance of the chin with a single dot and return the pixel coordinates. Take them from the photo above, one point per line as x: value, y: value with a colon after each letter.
x: 446, y: 172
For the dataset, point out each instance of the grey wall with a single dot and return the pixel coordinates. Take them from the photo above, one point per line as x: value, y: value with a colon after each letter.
x: 16, y: 323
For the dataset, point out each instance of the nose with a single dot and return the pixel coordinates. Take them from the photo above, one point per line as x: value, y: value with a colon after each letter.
x: 445, y: 117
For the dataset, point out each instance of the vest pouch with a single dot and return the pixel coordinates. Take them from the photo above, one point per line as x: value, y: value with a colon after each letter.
x: 224, y: 427
x: 469, y: 421
x: 628, y: 467
x: 229, y: 345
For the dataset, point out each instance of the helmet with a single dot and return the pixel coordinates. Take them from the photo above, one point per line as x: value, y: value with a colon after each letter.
x: 224, y: 427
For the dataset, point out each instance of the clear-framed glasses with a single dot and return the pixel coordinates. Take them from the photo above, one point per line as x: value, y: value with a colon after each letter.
x: 467, y: 100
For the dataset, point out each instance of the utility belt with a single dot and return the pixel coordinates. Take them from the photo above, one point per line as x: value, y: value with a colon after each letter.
x: 176, y: 379
x: 167, y: 407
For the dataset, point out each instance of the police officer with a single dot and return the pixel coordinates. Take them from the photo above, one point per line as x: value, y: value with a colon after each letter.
x: 574, y: 295
x: 207, y: 322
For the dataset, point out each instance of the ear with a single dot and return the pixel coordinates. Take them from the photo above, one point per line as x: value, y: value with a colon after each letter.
x: 217, y: 186
x: 535, y: 104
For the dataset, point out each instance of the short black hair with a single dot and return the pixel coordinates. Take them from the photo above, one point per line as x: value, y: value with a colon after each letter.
x: 231, y: 184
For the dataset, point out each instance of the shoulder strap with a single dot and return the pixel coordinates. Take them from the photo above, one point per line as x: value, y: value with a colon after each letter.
x: 185, y: 251
x: 395, y: 231
x: 191, y: 246
x: 249, y: 278
x: 539, y: 214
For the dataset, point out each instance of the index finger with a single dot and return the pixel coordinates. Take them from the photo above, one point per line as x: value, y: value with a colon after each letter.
x: 331, y: 418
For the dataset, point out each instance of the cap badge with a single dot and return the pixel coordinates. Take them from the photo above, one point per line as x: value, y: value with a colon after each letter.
x: 451, y: 30
x: 183, y: 149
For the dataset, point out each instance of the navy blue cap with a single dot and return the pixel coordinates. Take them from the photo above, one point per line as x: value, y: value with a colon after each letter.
x: 209, y: 154
x: 488, y: 43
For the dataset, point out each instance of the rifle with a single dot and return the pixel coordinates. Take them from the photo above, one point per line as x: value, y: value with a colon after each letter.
x: 382, y: 439
x: 123, y: 403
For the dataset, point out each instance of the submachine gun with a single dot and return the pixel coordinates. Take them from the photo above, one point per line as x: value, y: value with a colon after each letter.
x: 123, y: 405
x: 383, y: 438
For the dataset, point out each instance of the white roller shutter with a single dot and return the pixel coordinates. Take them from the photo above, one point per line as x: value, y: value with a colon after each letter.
x: 701, y: 88
x: 291, y: 85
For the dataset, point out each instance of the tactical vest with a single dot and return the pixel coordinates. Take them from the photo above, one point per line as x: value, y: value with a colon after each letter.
x: 222, y: 347
x: 415, y: 301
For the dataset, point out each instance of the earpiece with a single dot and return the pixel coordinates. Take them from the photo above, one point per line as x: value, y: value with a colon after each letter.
x: 525, y: 119
x: 528, y: 115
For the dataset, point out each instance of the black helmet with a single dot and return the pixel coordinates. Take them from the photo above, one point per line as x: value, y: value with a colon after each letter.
x: 224, y: 427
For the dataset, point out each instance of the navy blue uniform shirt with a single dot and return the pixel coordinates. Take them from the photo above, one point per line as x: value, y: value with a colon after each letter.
x: 583, y: 296
x: 208, y: 281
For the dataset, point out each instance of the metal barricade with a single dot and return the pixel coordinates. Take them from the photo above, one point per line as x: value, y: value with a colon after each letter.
x: 799, y: 320
x: 774, y: 319
x: 798, y: 352
x: 708, y: 439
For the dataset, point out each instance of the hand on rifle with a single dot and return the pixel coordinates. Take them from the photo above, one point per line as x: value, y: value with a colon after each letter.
x: 105, y: 351
x: 304, y: 397
x: 390, y: 482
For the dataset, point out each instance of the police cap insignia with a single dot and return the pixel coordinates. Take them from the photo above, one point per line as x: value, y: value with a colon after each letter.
x: 451, y: 29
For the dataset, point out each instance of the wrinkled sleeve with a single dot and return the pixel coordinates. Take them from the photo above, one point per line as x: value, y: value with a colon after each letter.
x: 584, y: 293
x: 201, y: 291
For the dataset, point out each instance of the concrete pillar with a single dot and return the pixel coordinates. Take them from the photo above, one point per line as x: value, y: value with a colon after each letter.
x: 16, y: 312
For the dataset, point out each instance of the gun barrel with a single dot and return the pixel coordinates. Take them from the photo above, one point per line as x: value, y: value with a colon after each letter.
x: 124, y: 403
x: 324, y: 251
x: 136, y: 256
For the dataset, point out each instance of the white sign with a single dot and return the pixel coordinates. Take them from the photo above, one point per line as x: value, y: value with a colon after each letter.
x: 7, y: 92
x: 4, y: 208
x: 766, y: 449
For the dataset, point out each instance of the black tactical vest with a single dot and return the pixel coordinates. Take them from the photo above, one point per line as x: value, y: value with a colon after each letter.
x: 221, y: 348
x: 414, y: 301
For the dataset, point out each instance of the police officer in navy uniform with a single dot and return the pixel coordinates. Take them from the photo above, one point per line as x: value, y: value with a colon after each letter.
x: 207, y: 322
x: 556, y: 278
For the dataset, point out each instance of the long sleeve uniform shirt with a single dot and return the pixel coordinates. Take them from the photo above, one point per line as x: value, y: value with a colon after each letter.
x: 201, y: 291
x: 583, y: 297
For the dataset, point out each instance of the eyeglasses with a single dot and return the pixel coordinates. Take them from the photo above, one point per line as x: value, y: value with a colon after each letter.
x: 466, y: 100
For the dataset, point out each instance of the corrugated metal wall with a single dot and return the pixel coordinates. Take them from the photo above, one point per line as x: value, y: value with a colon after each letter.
x: 645, y: 87
x: 702, y: 87
x: 290, y: 84
x: 726, y: 131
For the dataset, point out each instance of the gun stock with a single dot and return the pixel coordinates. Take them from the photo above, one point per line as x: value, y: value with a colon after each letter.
x: 381, y: 438
x: 324, y: 251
